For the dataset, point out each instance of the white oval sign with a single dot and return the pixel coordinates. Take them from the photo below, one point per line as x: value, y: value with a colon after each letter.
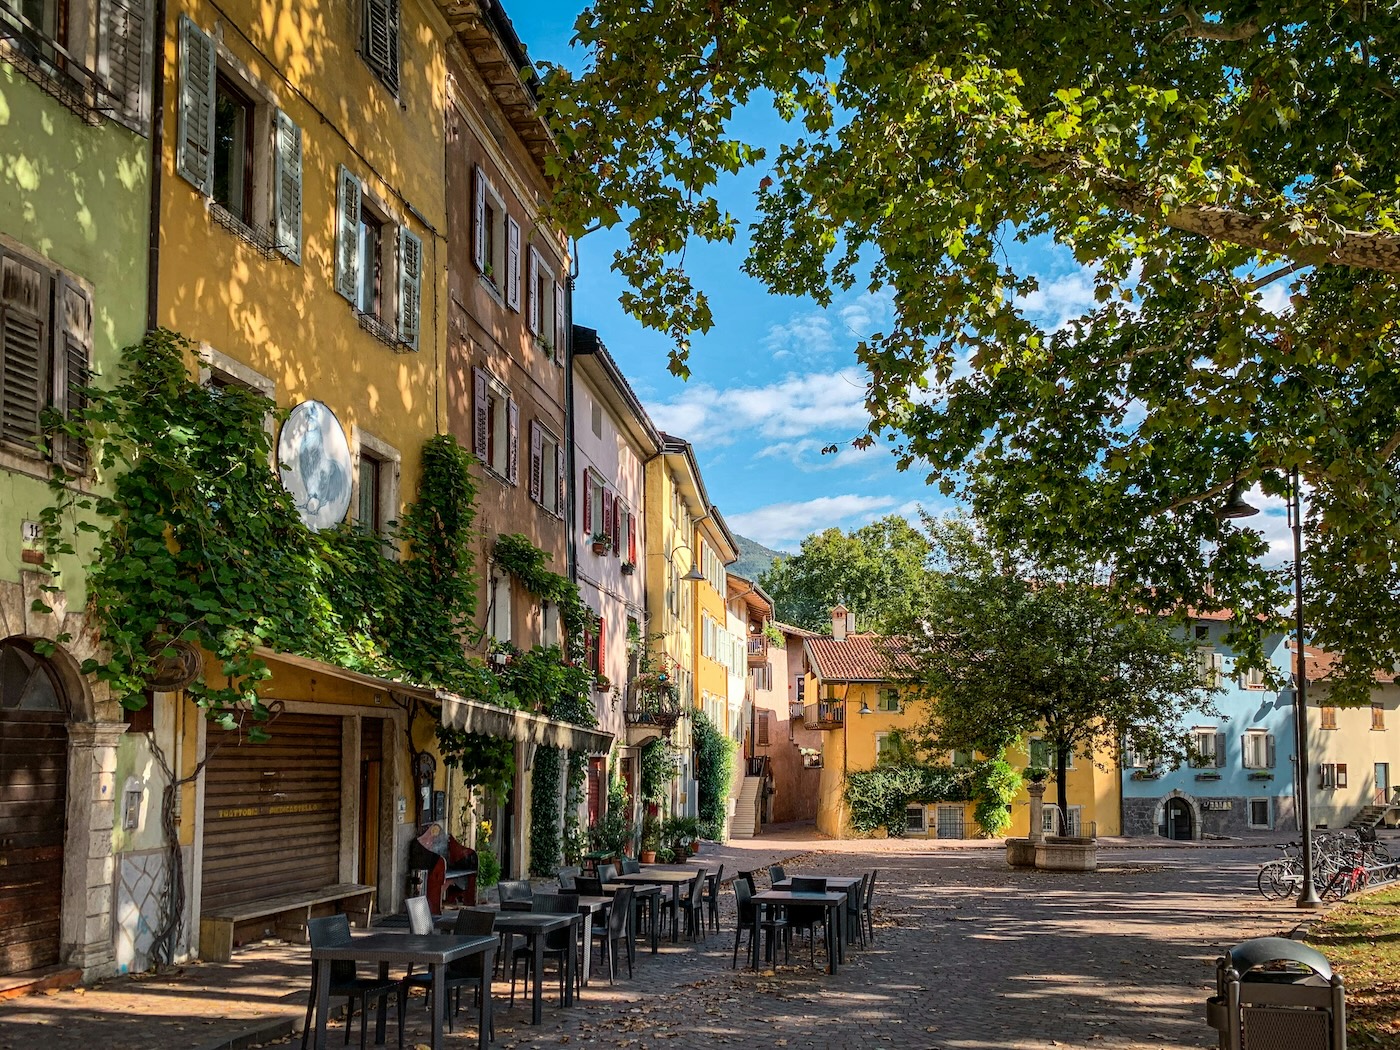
x: 314, y: 458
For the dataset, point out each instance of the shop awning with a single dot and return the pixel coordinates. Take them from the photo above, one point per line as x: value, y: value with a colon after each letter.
x: 459, y: 712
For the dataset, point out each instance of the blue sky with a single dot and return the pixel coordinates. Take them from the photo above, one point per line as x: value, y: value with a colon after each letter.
x: 776, y: 379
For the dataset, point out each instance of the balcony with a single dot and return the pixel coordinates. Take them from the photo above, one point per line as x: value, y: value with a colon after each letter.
x: 758, y: 650
x: 651, y: 713
x: 825, y: 714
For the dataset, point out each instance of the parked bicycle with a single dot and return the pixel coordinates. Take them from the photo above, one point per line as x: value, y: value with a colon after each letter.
x: 1343, y: 862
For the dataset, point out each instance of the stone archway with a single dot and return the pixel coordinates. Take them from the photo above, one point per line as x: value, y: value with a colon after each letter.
x: 1178, y: 816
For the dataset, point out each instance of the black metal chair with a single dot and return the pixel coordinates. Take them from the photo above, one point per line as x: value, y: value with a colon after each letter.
x: 614, y: 931
x: 557, y: 943
x: 630, y: 866
x: 607, y: 872
x: 776, y: 873
x: 465, y: 973
x: 807, y: 917
x: 567, y: 877
x: 588, y: 886
x: 776, y: 926
x: 710, y: 896
x: 869, y: 903
x: 333, y: 931
x: 694, y: 908
x: 514, y: 894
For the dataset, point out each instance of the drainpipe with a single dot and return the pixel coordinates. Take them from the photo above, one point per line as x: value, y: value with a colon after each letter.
x: 157, y: 159
x: 570, y: 533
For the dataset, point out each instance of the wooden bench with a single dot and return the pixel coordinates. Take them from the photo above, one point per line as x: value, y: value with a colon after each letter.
x: 292, y: 911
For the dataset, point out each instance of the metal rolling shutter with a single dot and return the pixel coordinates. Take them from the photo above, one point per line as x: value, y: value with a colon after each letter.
x: 34, y: 775
x: 272, y: 813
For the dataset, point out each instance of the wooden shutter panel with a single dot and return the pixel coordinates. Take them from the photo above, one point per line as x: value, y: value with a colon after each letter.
x: 512, y: 264
x: 536, y: 462
x: 561, y: 326
x: 347, y: 234
x: 24, y: 349
x: 382, y: 40
x: 513, y: 442
x: 72, y: 366
x: 632, y: 538
x: 194, y: 150
x: 286, y: 188
x: 479, y: 219
x: 618, y: 511
x: 1269, y: 756
x: 1220, y: 750
x: 532, y: 291
x: 481, y: 422
x: 124, y: 59
x: 763, y: 729
x: 607, y: 513
x: 561, y: 479
x: 587, y: 504
x: 1341, y: 774
x: 602, y: 643
x: 410, y: 286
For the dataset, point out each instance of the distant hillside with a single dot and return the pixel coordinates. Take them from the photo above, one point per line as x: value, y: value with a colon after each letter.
x: 754, y: 558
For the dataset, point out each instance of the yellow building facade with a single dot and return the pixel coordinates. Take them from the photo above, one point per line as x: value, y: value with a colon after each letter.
x: 716, y: 655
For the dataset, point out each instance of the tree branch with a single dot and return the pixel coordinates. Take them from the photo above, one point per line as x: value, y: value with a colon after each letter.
x: 1199, y: 28
x: 1357, y: 248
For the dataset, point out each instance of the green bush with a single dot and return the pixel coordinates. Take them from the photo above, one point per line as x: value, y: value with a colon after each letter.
x: 714, y: 765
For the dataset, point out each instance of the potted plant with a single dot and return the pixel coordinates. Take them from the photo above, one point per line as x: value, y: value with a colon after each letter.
x: 1037, y: 774
x: 628, y: 568
x: 651, y: 839
x: 602, y: 683
x: 602, y: 543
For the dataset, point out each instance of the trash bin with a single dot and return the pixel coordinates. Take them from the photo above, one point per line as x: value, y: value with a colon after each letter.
x: 1275, y: 994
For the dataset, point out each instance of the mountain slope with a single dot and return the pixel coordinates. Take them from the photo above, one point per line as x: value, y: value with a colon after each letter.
x: 754, y: 558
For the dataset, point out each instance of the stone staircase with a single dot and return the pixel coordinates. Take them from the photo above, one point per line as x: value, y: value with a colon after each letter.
x: 1369, y: 816
x: 745, y: 821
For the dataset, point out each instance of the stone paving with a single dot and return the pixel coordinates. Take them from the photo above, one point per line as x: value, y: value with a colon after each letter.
x: 967, y: 954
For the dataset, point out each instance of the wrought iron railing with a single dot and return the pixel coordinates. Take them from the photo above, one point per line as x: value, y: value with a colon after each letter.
x: 824, y: 714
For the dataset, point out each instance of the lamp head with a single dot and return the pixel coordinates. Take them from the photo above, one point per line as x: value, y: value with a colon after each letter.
x: 694, y: 575
x: 864, y: 708
x: 1235, y: 506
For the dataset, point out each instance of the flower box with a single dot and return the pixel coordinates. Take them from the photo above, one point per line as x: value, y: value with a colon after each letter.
x: 1261, y: 776
x: 628, y: 568
x: 1207, y: 776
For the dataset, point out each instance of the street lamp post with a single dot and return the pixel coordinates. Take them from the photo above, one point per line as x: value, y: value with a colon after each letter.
x: 1307, y: 892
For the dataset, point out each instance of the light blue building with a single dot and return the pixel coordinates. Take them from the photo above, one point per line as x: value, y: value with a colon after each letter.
x: 1244, y: 780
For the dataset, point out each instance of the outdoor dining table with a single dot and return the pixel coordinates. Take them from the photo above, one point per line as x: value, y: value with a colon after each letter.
x: 533, y: 925
x: 846, y: 884
x: 656, y: 876
x: 834, y: 900
x: 652, y: 894
x: 434, y: 951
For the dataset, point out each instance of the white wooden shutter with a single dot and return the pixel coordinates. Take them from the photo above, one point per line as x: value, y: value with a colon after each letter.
x: 410, y: 286
x: 532, y: 290
x: 512, y: 263
x: 24, y: 349
x: 536, y: 461
x: 513, y: 442
x: 1270, y: 754
x: 1220, y: 749
x: 347, y: 234
x: 561, y: 478
x: 480, y: 420
x: 124, y: 60
x: 381, y: 40
x: 479, y: 219
x: 194, y: 148
x: 561, y: 324
x: 72, y: 365
x: 286, y: 188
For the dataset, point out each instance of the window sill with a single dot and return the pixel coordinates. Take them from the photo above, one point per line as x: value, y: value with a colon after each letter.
x: 491, y: 471
x: 383, y: 332
x: 18, y: 460
x: 489, y: 284
x: 75, y: 87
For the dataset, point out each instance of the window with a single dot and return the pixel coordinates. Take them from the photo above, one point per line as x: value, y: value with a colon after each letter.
x: 1051, y: 824
x: 1040, y: 754
x: 888, y: 700
x: 1332, y: 775
x: 45, y: 353
x: 496, y: 430
x: 916, y: 819
x: 960, y: 758
x: 886, y: 749
x: 1202, y: 632
x: 549, y: 624
x: 236, y: 148
x: 1259, y: 815
x: 546, y: 469
x: 546, y: 305
x: 378, y: 266
x: 1253, y: 679
x: 800, y: 688
x: 495, y: 241
x: 1329, y: 717
x: 763, y: 677
x: 1210, y: 667
x: 1377, y: 716
x: 951, y: 822
x: 379, y: 40
x: 1258, y: 749
x: 597, y: 420
x: 763, y: 718
x: 498, y: 606
x: 1207, y: 748
x: 369, y: 514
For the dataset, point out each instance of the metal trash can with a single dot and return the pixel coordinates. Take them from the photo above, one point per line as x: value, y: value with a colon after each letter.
x: 1275, y: 994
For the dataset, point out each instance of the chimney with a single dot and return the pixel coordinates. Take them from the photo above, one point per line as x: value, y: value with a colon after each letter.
x: 840, y: 622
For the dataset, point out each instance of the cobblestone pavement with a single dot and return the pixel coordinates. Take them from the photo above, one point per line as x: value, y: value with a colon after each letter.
x: 967, y: 954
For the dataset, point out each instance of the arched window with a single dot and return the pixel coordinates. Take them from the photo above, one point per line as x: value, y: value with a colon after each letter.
x: 27, y: 682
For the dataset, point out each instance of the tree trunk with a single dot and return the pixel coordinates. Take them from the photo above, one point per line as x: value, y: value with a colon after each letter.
x: 1061, y: 765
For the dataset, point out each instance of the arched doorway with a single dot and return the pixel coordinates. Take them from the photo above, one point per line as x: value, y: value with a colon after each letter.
x: 1179, y: 820
x: 33, y: 807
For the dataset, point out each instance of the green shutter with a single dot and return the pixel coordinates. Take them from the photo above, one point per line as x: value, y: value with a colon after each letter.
x: 347, y: 235
x: 194, y: 147
x: 287, y: 188
x: 410, y: 286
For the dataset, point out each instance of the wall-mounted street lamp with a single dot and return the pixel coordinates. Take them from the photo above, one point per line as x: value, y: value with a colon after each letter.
x: 694, y: 575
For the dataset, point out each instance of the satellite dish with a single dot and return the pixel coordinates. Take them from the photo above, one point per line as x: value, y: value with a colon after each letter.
x: 314, y: 458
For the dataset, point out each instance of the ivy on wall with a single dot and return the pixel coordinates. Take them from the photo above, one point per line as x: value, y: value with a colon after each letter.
x: 486, y: 762
x: 658, y: 769
x: 545, y: 843
x: 879, y: 798
x: 714, y: 765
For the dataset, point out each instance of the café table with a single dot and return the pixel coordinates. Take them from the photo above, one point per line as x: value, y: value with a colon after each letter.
x: 658, y: 877
x: 834, y: 901
x: 652, y: 895
x: 434, y: 951
x: 533, y: 926
x: 846, y: 884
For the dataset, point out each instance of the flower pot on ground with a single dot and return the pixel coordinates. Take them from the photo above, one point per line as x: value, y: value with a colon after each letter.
x: 648, y: 856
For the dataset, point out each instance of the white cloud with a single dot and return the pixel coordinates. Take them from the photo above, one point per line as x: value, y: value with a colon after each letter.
x: 1058, y: 300
x: 801, y: 334
x: 785, y: 525
x: 806, y: 454
x: 1275, y: 298
x: 793, y: 407
x: 864, y: 315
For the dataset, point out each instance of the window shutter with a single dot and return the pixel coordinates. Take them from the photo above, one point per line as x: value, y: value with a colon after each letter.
x: 602, y: 653
x: 382, y: 40
x: 479, y: 219
x: 72, y: 366
x: 512, y: 263
x: 286, y: 188
x: 607, y: 513
x: 561, y: 325
x: 479, y: 417
x: 617, y: 526
x: 536, y: 461
x: 560, y: 478
x: 347, y: 234
x: 410, y: 286
x: 513, y: 441
x: 1269, y: 758
x: 532, y: 291
x: 194, y: 156
x: 632, y: 538
x: 123, y: 59
x: 24, y: 349
x: 1220, y: 751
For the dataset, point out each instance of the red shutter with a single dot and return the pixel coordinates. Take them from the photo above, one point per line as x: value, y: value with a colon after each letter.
x: 536, y: 461
x: 587, y: 504
x: 513, y: 442
x: 607, y: 513
x: 479, y: 414
x: 617, y: 527
x: 602, y: 659
x: 632, y: 538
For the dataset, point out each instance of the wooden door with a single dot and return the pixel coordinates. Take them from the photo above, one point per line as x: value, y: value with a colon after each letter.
x: 371, y: 765
x: 33, y: 809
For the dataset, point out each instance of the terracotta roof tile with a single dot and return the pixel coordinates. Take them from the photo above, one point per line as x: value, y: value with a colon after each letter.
x: 1321, y: 663
x: 861, y: 657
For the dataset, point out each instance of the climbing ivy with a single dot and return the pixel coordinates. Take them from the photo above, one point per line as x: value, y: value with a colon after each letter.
x: 879, y: 798
x: 486, y: 762
x: 545, y: 845
x: 714, y: 765
x: 657, y: 770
